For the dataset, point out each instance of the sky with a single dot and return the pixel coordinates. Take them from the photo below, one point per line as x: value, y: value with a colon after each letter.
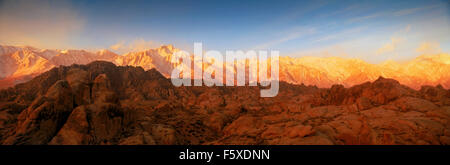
x: 373, y: 30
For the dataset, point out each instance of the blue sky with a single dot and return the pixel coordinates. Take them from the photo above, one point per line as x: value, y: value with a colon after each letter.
x: 370, y: 30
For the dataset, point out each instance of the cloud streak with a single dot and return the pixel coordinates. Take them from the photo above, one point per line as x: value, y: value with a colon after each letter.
x: 413, y: 10
x: 397, y: 13
x: 134, y: 46
x: 291, y: 35
x: 341, y: 34
x: 429, y: 48
x: 391, y: 46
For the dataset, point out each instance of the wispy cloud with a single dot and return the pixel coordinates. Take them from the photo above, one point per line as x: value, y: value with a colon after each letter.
x: 413, y: 10
x: 397, y: 13
x: 47, y: 24
x: 407, y: 28
x: 399, y: 37
x: 366, y: 17
x: 429, y: 48
x: 390, y: 46
x: 300, y: 11
x: 287, y: 36
x: 341, y: 34
x: 134, y: 46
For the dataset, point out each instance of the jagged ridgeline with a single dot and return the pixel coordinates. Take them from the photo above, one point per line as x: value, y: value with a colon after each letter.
x: 20, y: 64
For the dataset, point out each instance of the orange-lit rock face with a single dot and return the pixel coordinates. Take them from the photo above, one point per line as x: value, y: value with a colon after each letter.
x: 324, y: 72
x: 19, y: 64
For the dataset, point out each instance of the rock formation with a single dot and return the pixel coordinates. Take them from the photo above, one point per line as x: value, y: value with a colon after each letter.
x: 101, y: 103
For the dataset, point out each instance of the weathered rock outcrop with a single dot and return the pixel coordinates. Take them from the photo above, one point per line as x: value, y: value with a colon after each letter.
x: 44, y: 117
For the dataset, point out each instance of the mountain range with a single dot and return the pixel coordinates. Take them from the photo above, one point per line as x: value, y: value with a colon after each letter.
x: 21, y: 63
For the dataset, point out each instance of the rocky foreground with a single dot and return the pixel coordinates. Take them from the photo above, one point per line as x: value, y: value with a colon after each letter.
x: 100, y: 103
